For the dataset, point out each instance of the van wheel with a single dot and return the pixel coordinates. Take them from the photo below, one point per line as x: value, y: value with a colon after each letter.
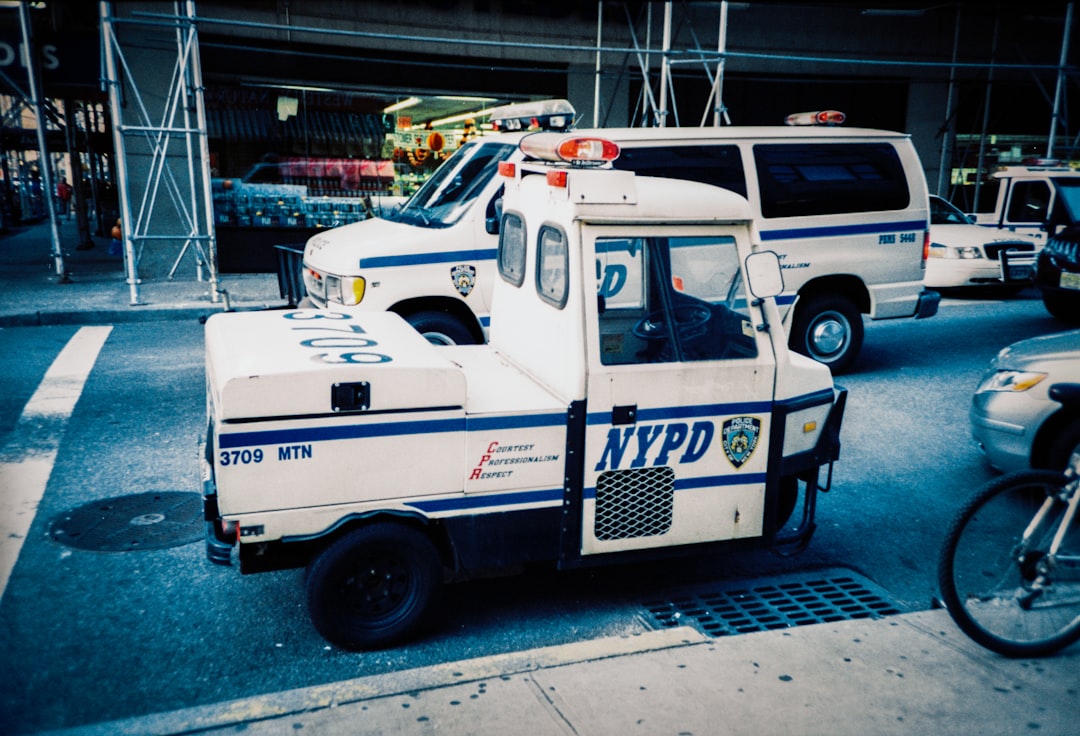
x: 374, y: 587
x: 1064, y: 307
x: 440, y: 328
x: 829, y: 329
x: 1065, y: 444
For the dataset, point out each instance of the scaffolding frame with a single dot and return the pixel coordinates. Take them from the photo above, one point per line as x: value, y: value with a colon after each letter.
x: 183, y: 121
x: 182, y: 124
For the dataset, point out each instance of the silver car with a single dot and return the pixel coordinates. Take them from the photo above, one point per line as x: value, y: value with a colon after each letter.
x: 1013, y: 420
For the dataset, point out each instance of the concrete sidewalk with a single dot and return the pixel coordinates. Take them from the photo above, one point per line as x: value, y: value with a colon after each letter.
x: 905, y: 674
x: 96, y: 289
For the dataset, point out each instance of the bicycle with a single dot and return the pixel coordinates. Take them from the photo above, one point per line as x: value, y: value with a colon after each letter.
x: 1009, y: 570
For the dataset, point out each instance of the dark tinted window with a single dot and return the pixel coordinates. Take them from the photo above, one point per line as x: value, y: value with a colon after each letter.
x: 829, y: 178
x: 1029, y: 201
x: 720, y: 166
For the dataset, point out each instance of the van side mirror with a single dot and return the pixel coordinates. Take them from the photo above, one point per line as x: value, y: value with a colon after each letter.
x: 763, y: 274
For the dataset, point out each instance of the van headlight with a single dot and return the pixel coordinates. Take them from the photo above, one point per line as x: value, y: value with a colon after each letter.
x: 351, y: 289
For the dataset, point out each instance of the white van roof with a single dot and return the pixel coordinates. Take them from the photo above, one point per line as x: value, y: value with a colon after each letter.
x: 740, y: 132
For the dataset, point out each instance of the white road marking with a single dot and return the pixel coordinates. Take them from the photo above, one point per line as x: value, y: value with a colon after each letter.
x: 26, y: 462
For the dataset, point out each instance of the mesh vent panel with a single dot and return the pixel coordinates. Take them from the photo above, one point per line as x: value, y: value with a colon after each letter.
x: 634, y: 503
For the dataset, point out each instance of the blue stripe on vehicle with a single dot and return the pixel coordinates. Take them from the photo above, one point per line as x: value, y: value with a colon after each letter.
x: 834, y: 230
x: 713, y: 481
x: 421, y: 259
x: 340, y: 432
x: 388, y: 429
x: 480, y: 424
x: 678, y: 412
x: 494, y: 502
x: 707, y: 481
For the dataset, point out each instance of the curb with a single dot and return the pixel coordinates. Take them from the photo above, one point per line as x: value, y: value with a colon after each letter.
x: 124, y: 316
x: 237, y: 713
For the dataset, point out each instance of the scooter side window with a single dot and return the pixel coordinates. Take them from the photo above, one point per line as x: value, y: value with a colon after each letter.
x: 552, y: 266
x: 512, y: 249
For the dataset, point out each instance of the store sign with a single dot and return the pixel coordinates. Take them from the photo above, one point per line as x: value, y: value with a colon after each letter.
x: 63, y: 59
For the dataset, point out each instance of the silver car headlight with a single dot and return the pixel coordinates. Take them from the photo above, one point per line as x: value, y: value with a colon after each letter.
x: 1011, y: 381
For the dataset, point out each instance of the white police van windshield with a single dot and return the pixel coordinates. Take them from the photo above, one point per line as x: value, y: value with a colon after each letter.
x: 447, y: 195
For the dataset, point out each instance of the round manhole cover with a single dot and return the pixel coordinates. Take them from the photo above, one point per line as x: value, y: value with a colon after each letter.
x: 151, y: 520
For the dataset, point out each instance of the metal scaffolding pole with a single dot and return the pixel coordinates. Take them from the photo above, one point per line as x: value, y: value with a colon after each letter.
x: 172, y: 124
x: 986, y: 111
x: 947, y: 133
x: 596, y: 77
x: 720, y: 115
x: 665, y: 68
x: 44, y: 163
x: 199, y: 103
x: 1056, y: 114
x: 112, y: 80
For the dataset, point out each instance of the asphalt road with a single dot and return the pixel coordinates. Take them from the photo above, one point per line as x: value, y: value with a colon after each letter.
x: 92, y: 635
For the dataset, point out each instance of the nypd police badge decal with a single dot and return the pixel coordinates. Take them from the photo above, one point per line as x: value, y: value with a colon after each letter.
x: 740, y: 438
x: 464, y: 278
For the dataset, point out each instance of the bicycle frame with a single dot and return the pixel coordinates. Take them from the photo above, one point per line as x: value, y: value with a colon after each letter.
x: 1053, y: 564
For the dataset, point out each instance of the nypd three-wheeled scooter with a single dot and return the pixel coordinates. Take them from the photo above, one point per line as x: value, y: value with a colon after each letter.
x: 636, y: 398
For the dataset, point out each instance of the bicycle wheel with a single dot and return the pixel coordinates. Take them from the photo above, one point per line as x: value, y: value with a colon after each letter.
x: 988, y: 573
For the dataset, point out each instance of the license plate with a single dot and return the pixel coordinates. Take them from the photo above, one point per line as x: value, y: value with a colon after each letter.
x: 1020, y: 273
x: 1070, y: 280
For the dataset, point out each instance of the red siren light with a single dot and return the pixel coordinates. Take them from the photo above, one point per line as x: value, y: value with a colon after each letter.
x: 576, y: 150
x: 818, y: 117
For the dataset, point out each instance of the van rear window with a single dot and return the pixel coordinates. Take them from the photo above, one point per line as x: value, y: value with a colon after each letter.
x: 829, y: 178
x: 720, y: 166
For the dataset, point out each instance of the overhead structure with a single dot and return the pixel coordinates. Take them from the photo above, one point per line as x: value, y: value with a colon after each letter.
x: 162, y: 156
x: 655, y: 110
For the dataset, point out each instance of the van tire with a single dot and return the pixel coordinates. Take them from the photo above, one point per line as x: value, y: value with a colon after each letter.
x: 829, y: 329
x: 441, y: 328
x: 374, y: 587
x: 1065, y: 444
x: 1065, y: 307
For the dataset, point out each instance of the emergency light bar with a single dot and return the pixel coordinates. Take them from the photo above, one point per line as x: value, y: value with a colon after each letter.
x: 818, y: 117
x: 538, y: 115
x: 575, y: 150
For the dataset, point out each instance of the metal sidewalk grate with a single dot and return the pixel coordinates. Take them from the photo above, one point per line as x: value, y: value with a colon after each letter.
x: 773, y: 603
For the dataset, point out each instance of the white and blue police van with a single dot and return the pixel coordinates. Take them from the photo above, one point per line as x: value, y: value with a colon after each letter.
x: 845, y: 208
x: 664, y: 416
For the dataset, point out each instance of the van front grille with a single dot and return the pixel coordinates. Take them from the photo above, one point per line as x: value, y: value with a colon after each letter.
x: 634, y: 503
